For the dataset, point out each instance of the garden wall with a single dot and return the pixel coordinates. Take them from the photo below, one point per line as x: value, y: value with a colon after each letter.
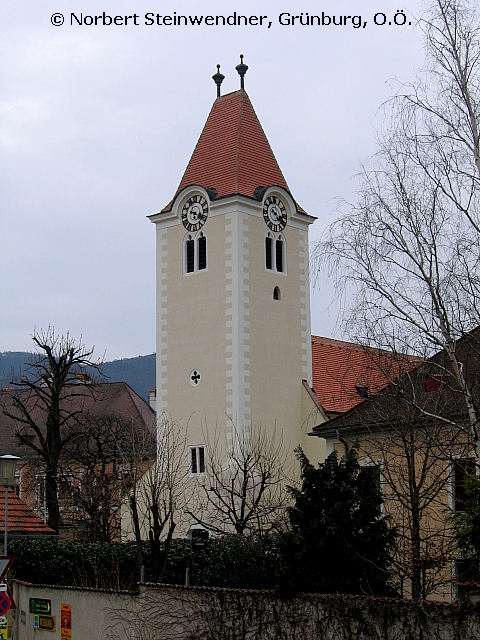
x: 161, y: 612
x: 90, y: 610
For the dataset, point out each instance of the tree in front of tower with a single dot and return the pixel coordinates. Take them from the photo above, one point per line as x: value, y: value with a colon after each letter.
x: 340, y: 539
x: 159, y: 494
x: 245, y: 491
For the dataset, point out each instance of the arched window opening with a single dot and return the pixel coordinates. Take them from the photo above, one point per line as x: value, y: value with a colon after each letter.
x: 190, y: 254
x: 268, y: 253
x: 275, y: 252
x: 279, y: 254
x: 202, y: 252
x: 194, y: 252
x: 276, y: 293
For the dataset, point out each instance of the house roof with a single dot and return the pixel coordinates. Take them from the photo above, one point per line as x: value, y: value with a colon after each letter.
x: 340, y: 370
x: 421, y: 390
x: 95, y: 400
x: 22, y: 521
x: 232, y: 154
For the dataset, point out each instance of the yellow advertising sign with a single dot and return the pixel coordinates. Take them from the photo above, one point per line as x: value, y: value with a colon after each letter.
x: 45, y: 623
x: 66, y: 621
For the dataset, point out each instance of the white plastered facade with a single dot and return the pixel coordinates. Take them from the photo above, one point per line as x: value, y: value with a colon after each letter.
x: 252, y: 352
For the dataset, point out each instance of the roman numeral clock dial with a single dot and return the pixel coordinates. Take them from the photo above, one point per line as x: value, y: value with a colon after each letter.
x: 194, y: 213
x: 274, y: 213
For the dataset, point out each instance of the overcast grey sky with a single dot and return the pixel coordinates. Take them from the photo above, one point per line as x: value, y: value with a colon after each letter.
x: 97, y: 124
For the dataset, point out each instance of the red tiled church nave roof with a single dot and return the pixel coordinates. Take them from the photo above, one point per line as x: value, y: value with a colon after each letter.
x: 22, y: 521
x: 340, y: 369
x: 232, y: 154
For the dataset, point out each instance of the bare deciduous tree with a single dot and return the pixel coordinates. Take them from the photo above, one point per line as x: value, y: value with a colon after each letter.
x: 160, y: 493
x: 243, y: 490
x: 413, y: 431
x: 93, y: 476
x: 42, y: 405
x: 406, y: 255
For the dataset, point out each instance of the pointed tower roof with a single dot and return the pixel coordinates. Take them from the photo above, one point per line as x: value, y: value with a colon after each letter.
x: 232, y: 154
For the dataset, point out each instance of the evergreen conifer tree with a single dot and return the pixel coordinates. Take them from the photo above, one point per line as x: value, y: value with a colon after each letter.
x: 340, y: 540
x: 467, y: 531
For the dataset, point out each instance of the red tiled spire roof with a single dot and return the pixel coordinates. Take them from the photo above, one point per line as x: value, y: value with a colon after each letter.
x: 232, y: 154
x: 21, y: 519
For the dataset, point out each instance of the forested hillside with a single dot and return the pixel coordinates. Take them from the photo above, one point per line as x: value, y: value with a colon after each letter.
x: 138, y: 373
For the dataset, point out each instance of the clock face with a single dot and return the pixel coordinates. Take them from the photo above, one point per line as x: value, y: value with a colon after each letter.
x: 274, y: 213
x: 194, y: 213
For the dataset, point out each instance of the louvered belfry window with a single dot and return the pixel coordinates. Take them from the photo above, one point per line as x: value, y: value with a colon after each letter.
x: 190, y: 244
x: 268, y: 253
x: 195, y: 253
x: 202, y: 252
x: 279, y: 255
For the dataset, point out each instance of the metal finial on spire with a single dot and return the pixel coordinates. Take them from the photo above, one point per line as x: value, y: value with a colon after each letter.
x: 218, y: 78
x: 242, y: 70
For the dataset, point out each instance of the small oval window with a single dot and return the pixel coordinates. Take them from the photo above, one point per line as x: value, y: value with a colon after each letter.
x: 276, y: 293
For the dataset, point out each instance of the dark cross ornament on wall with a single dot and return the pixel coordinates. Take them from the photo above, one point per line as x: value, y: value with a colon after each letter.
x: 195, y: 377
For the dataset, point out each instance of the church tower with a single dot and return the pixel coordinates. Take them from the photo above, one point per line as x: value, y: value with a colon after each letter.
x: 233, y: 301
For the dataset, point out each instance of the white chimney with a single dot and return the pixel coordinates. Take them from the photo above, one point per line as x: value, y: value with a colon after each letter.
x: 153, y: 399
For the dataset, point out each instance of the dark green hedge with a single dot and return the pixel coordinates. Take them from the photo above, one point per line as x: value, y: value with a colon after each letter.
x: 240, y: 562
x: 89, y: 564
x: 234, y: 561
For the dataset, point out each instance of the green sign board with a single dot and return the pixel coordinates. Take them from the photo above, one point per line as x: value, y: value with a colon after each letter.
x: 39, y: 605
x: 45, y: 623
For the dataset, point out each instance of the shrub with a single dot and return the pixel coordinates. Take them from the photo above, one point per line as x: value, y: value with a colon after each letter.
x: 231, y: 561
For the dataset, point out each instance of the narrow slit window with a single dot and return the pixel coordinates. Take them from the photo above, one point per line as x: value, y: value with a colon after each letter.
x: 276, y: 293
x: 279, y: 255
x: 202, y: 252
x: 197, y: 460
x: 193, y: 460
x: 201, y: 460
x: 462, y: 468
x: 372, y: 474
x: 190, y: 255
x: 268, y: 253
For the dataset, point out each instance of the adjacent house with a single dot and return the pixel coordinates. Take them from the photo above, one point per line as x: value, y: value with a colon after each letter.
x: 111, y: 433
x: 417, y: 431
x: 23, y: 522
